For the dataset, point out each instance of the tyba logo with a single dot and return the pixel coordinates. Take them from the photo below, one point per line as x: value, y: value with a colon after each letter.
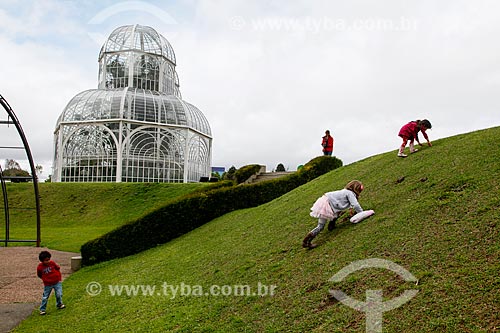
x: 374, y: 306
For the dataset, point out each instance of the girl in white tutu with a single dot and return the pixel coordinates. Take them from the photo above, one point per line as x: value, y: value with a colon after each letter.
x: 330, y: 206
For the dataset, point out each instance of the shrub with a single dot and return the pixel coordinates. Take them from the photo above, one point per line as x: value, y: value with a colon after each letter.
x: 320, y: 165
x: 16, y: 173
x: 194, y: 210
x: 280, y: 168
x: 245, y: 172
x: 229, y: 174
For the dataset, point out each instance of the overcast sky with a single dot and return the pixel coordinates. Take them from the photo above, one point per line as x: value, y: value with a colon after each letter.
x: 270, y: 76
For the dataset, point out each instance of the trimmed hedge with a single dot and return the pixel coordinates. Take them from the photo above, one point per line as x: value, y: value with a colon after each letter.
x: 190, y: 212
x: 245, y: 172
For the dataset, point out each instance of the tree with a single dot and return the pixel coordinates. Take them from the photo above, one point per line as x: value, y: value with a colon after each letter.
x: 280, y: 168
x: 229, y: 175
x: 13, y: 169
x: 11, y: 164
x: 38, y: 169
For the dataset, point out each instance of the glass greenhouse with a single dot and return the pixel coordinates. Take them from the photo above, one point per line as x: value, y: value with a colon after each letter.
x: 135, y: 127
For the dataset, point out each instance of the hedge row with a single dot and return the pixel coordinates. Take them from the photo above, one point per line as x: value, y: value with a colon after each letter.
x: 190, y: 212
x: 245, y: 172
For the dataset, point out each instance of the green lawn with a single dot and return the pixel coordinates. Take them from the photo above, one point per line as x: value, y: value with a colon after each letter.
x: 440, y: 223
x: 74, y: 213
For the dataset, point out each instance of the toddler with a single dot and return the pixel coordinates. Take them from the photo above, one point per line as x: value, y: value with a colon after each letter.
x: 50, y: 273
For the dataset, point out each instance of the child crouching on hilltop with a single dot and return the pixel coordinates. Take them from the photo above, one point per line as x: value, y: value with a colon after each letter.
x: 409, y: 132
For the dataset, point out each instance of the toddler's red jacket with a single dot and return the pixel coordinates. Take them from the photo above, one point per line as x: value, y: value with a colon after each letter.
x: 50, y: 274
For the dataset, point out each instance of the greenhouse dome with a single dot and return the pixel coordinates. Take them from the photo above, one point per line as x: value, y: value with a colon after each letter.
x: 137, y: 56
x: 135, y: 127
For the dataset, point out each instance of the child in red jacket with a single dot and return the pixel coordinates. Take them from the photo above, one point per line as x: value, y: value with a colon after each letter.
x: 50, y: 273
x: 409, y: 132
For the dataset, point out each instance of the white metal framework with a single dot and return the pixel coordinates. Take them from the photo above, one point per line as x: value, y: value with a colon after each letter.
x: 135, y: 127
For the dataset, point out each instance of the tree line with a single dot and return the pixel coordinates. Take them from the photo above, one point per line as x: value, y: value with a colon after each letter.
x: 13, y: 169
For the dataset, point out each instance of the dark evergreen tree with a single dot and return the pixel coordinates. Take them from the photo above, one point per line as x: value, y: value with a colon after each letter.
x: 280, y: 168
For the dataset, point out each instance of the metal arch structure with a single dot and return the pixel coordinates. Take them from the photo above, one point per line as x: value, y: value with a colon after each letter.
x: 12, y: 119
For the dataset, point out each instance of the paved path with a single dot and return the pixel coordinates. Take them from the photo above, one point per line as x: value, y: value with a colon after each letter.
x: 20, y: 288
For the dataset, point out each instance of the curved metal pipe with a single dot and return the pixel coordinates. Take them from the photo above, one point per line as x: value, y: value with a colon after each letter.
x: 16, y: 123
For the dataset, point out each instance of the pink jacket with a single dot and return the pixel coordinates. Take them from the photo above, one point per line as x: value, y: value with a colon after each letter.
x: 410, y: 131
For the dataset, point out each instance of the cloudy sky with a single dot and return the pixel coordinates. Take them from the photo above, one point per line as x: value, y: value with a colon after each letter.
x: 270, y: 76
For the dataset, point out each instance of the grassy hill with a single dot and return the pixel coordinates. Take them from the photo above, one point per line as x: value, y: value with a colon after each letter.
x: 437, y: 215
x: 73, y: 213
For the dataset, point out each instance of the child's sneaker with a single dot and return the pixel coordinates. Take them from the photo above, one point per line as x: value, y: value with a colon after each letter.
x: 42, y: 313
x: 402, y: 155
x: 414, y: 150
x: 331, y: 225
x: 62, y: 306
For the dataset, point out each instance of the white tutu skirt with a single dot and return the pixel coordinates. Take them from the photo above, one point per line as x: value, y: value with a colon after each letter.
x: 322, y: 209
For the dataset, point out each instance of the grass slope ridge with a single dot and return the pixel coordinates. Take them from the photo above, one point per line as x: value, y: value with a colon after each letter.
x: 440, y: 223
